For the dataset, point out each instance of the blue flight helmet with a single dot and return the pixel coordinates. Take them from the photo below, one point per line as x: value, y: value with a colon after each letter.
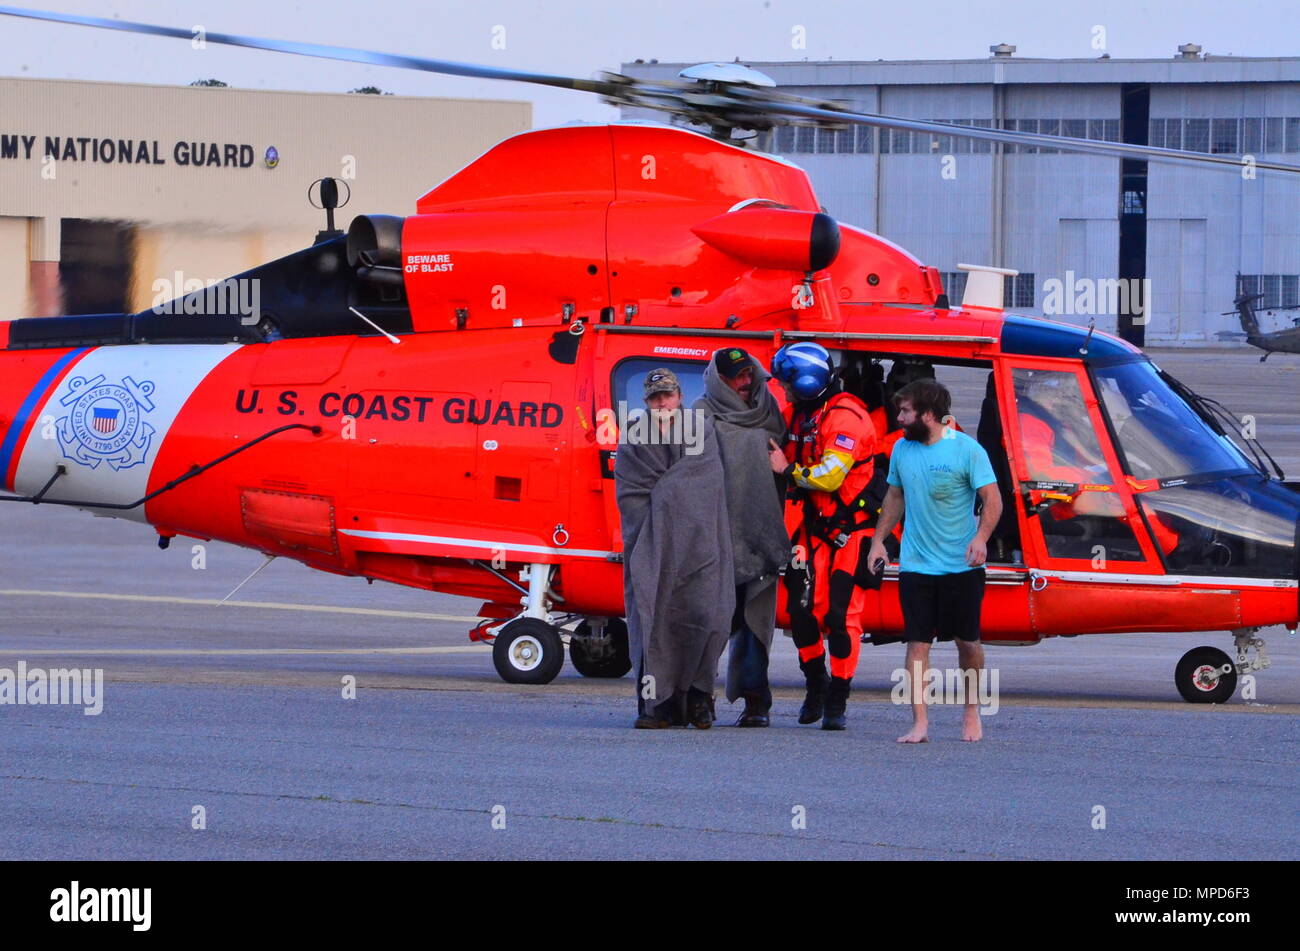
x: 805, y: 367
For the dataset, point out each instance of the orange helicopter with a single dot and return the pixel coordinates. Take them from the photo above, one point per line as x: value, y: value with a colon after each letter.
x: 436, y: 400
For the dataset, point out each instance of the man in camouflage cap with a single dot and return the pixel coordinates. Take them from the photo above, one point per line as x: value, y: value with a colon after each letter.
x: 677, y: 575
x: 659, y: 381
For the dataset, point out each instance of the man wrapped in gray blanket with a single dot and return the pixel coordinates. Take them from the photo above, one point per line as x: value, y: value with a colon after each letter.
x: 746, y: 418
x: 677, y: 564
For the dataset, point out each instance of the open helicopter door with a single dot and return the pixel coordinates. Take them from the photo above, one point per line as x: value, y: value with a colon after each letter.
x: 1084, y: 539
x: 621, y: 363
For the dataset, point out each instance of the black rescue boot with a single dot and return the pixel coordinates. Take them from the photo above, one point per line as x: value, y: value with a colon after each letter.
x: 814, y: 672
x: 837, y: 701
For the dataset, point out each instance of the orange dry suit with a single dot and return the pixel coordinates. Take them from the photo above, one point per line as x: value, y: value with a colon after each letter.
x: 835, y: 497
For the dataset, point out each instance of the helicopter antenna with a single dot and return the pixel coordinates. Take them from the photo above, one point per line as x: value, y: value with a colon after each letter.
x: 329, y: 200
x: 391, y: 338
x: 256, y: 572
x: 1087, y: 341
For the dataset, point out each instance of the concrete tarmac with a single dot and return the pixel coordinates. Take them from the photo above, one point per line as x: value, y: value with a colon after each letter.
x: 239, y: 709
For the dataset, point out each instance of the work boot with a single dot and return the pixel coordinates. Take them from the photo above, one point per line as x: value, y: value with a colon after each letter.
x: 755, y: 713
x: 837, y: 701
x: 699, y: 710
x: 651, y: 721
x: 814, y: 672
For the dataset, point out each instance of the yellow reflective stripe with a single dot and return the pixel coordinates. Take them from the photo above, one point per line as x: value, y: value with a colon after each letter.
x: 826, y: 476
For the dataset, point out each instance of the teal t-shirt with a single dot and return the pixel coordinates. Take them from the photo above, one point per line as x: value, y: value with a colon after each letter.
x: 939, y: 482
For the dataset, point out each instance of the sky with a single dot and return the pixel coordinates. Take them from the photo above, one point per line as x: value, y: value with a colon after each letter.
x: 582, y: 38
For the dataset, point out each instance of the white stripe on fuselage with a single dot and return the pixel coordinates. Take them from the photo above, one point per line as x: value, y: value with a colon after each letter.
x: 138, y: 390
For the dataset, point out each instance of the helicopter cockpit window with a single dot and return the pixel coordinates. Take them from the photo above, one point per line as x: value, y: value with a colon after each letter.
x: 1060, y: 444
x: 629, y: 381
x: 1160, y: 436
x: 1243, y: 526
x: 1222, y: 518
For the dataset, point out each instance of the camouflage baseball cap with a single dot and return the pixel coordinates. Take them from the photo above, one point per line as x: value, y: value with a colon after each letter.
x: 661, y: 380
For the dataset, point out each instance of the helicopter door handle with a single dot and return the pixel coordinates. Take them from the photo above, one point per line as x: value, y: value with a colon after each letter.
x: 1037, y: 582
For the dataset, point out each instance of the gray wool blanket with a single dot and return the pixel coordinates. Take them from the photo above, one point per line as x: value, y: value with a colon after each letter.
x: 760, y: 545
x: 677, y: 574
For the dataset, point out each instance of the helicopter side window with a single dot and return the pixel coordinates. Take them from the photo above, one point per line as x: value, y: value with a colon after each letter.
x: 629, y: 381
x: 1059, y: 444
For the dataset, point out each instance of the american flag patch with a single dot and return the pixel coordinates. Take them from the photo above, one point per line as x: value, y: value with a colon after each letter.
x: 844, y: 442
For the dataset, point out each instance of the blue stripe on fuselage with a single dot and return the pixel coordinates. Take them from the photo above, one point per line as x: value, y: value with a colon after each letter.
x: 25, y: 411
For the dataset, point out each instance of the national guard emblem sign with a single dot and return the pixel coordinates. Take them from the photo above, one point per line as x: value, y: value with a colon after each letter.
x: 104, y: 422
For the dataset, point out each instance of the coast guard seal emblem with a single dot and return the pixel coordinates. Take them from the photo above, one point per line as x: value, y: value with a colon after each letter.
x: 104, y: 424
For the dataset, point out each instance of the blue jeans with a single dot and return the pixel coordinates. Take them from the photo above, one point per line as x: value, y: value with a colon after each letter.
x: 753, y: 660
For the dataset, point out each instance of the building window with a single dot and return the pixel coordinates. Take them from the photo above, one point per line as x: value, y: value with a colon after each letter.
x: 1173, y: 133
x: 963, y: 145
x: 1049, y: 127
x: 1252, y: 136
x: 1273, y: 135
x: 866, y: 140
x: 1196, y: 135
x: 1017, y: 291
x: 1279, y: 290
x: 804, y: 136
x: 1293, y: 135
x: 1156, y: 134
x: 954, y: 285
x: 1230, y: 136
x: 1223, y: 136
x: 1021, y: 125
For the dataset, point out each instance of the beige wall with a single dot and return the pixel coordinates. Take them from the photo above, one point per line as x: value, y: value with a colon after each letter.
x: 204, y: 254
x: 13, y: 267
x: 214, y: 221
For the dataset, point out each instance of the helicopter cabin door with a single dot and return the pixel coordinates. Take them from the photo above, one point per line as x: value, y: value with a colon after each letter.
x: 1080, y: 527
x: 621, y: 364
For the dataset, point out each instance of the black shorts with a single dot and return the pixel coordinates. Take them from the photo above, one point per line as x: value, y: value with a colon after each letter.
x: 946, y: 606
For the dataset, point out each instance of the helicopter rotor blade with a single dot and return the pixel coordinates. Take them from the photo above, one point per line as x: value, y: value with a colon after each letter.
x: 319, y: 51
x: 721, y: 105
x: 1146, y: 153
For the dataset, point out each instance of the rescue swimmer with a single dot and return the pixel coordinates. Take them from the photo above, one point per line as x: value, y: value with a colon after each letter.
x: 829, y: 457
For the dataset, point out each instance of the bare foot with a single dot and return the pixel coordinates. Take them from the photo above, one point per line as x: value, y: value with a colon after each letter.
x: 915, y: 735
x: 972, y: 731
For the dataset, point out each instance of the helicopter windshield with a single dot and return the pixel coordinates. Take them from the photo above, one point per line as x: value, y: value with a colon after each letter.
x: 1160, y: 436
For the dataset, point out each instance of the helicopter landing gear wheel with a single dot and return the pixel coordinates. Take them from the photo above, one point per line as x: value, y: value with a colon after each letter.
x: 528, y: 651
x: 1206, y: 675
x: 605, y: 656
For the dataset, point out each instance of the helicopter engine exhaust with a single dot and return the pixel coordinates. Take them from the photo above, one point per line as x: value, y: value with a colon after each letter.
x: 375, y: 248
x: 780, y: 238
